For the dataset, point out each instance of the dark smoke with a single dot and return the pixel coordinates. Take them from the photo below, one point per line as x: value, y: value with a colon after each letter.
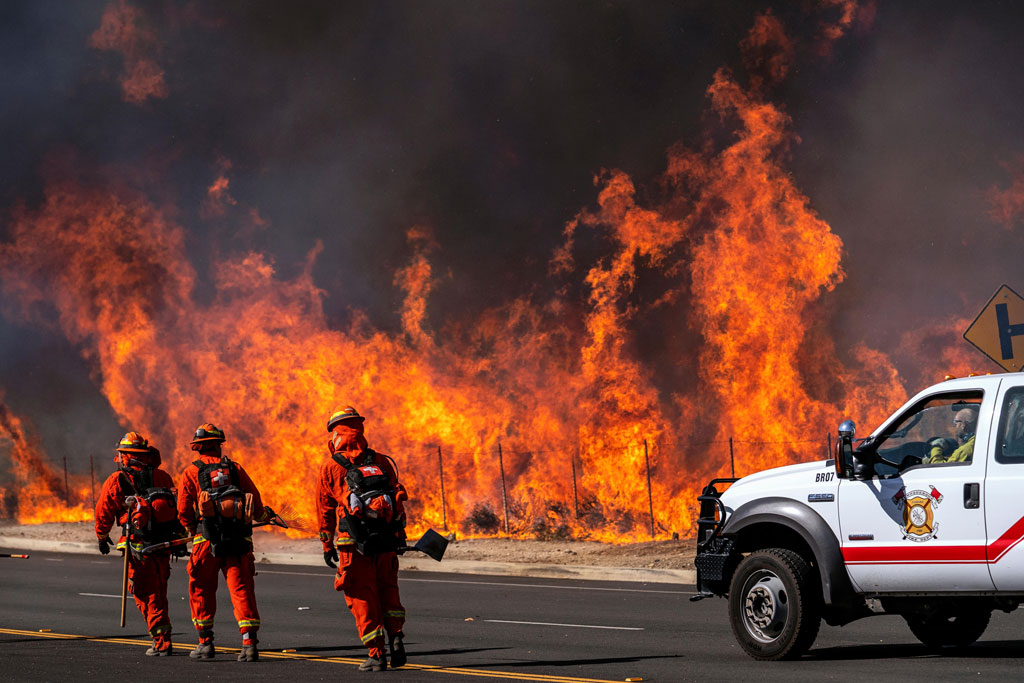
x: 347, y: 123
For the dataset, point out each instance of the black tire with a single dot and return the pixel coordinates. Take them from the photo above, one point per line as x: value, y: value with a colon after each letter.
x: 959, y: 630
x: 775, y: 604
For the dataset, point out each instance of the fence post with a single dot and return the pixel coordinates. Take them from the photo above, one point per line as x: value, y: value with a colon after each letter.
x: 575, y: 498
x: 440, y: 468
x: 92, y: 481
x: 67, y: 492
x: 650, y: 497
x: 504, y: 497
x: 732, y: 460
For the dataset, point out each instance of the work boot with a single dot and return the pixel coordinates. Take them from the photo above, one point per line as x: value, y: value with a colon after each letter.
x: 204, y: 650
x: 396, y: 646
x: 374, y: 663
x: 161, y: 645
x: 249, y: 653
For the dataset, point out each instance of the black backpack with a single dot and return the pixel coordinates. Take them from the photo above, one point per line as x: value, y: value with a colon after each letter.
x: 223, y: 523
x: 367, y: 481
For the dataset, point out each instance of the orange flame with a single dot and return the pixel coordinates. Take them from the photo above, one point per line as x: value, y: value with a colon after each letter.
x: 38, y: 488
x: 725, y: 251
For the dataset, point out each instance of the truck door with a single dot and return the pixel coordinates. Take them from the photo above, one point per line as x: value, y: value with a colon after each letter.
x: 911, y: 525
x: 1004, y: 490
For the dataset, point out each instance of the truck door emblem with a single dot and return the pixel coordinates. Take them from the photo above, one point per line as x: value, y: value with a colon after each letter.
x: 919, y: 523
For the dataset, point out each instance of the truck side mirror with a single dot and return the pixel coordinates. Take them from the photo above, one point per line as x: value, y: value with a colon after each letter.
x: 859, y: 464
x: 850, y: 463
x: 844, y: 449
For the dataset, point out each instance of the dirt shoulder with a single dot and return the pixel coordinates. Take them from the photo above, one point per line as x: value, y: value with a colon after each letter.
x: 649, y: 555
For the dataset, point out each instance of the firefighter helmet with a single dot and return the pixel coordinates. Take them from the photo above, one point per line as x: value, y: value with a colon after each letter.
x: 133, y: 442
x: 346, y: 413
x: 208, y: 432
x: 134, y: 453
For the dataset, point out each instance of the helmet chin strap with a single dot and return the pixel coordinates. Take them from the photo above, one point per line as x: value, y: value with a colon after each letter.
x: 126, y: 463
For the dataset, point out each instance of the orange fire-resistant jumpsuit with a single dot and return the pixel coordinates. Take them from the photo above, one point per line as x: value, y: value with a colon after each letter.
x: 203, y: 567
x: 147, y: 576
x: 370, y: 583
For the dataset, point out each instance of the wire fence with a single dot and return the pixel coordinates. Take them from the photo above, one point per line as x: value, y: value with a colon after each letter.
x: 574, y: 456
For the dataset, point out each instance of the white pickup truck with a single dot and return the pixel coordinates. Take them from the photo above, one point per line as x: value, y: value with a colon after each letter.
x: 923, y: 518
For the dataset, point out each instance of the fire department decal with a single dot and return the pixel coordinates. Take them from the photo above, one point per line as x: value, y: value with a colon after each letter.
x: 919, y: 507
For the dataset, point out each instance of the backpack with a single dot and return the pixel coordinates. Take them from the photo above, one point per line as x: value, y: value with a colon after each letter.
x: 367, y: 481
x: 155, y: 517
x: 225, y: 510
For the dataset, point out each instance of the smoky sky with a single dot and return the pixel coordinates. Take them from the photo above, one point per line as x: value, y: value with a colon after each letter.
x: 345, y: 124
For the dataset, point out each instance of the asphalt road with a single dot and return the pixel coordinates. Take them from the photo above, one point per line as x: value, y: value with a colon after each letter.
x: 461, y: 628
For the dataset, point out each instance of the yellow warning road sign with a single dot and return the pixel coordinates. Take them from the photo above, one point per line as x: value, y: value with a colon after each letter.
x: 998, y: 331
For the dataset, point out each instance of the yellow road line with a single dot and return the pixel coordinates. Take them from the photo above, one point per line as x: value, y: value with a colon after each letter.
x: 271, y: 654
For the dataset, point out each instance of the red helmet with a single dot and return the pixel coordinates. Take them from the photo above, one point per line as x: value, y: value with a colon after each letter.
x: 135, y: 453
x: 346, y: 413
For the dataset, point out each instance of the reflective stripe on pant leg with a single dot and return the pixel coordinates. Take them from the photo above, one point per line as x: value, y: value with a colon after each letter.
x: 372, y: 635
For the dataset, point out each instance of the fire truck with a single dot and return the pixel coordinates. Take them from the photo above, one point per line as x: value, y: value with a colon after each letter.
x: 923, y: 519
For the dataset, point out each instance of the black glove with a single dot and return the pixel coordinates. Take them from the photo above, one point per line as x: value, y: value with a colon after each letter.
x: 331, y: 558
x: 104, y: 544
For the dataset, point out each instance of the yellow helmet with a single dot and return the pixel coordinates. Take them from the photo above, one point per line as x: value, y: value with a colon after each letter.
x: 133, y: 442
x: 208, y: 432
x: 346, y: 413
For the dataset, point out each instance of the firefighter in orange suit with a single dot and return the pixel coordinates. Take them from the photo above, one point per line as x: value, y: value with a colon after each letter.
x: 362, y: 523
x: 218, y: 503
x: 140, y: 497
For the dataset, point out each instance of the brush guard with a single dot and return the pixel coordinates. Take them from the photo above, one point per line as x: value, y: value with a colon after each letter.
x: 714, y: 553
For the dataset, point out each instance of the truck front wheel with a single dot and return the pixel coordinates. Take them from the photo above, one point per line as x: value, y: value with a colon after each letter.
x: 774, y: 604
x: 959, y: 630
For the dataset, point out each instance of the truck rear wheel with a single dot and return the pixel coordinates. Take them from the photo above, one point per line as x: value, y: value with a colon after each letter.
x: 939, y: 630
x: 774, y: 604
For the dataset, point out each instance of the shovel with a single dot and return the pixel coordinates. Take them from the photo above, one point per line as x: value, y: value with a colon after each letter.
x: 432, y: 544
